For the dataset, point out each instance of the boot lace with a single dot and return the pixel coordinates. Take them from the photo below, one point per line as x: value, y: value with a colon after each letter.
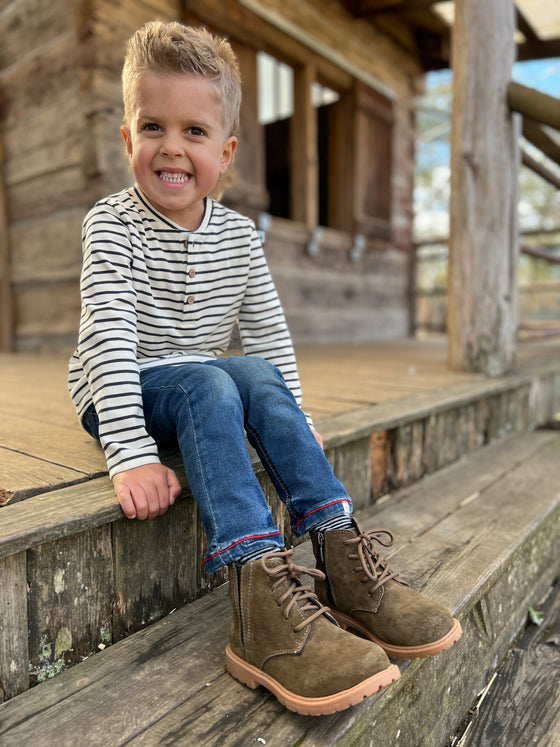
x: 376, y: 569
x: 296, y: 594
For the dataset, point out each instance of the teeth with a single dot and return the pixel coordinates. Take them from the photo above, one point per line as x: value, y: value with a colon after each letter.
x: 169, y: 177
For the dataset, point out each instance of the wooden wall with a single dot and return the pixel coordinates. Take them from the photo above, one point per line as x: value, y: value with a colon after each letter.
x: 60, y: 104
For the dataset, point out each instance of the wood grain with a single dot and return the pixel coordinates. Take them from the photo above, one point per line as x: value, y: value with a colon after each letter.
x: 484, y: 556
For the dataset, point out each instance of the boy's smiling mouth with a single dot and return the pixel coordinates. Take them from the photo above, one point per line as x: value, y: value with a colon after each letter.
x: 173, y: 177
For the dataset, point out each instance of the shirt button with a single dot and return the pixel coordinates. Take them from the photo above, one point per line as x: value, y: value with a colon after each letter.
x: 190, y: 300
x: 186, y: 243
x: 192, y: 273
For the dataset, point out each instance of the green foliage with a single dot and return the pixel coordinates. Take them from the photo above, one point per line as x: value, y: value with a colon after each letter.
x: 535, y: 617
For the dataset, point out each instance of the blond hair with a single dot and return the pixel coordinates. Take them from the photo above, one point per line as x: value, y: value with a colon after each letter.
x: 176, y: 49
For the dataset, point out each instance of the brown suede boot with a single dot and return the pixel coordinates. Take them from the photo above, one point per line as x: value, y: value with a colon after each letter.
x: 366, y: 595
x: 283, y: 639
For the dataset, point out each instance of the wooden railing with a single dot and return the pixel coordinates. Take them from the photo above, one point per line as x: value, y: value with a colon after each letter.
x: 540, y: 113
x: 429, y: 299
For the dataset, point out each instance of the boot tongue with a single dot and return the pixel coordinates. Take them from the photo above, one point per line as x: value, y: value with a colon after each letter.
x: 375, y: 567
x: 290, y: 591
x: 289, y: 569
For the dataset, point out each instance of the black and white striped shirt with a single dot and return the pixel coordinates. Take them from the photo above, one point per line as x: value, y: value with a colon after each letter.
x: 154, y: 293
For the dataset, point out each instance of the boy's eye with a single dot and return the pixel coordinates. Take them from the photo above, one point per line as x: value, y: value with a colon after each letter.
x: 196, y: 131
x: 151, y: 127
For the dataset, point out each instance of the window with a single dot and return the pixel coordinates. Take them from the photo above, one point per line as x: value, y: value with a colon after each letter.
x: 327, y: 153
x: 277, y: 114
x: 276, y: 109
x: 276, y: 89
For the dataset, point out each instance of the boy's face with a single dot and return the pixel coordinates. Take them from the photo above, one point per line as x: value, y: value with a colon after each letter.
x: 177, y: 145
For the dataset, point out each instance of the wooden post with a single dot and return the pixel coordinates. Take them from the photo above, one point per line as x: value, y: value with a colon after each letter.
x: 482, y: 285
x: 6, y: 315
x: 304, y: 164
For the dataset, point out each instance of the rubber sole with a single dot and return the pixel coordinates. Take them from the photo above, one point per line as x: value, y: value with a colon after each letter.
x: 253, y: 677
x: 401, y: 652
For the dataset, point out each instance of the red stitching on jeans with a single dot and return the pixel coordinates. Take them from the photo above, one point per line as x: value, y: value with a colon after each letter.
x: 342, y: 500
x: 256, y: 536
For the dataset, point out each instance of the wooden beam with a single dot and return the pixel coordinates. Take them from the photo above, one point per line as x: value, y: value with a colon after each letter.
x: 371, y: 7
x: 540, y: 253
x: 540, y: 50
x: 524, y: 26
x: 483, y: 252
x: 534, y: 104
x: 536, y: 134
x: 540, y: 169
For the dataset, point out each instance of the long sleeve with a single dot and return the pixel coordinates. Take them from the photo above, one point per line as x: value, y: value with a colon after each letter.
x: 262, y: 324
x: 108, y: 341
x: 154, y: 293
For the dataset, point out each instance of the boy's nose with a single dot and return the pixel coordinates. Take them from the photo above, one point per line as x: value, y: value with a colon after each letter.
x: 171, y: 145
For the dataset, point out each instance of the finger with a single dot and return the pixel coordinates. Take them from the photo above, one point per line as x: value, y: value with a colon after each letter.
x: 155, y: 498
x: 142, y: 504
x: 163, y: 494
x: 125, y: 499
x: 174, y: 486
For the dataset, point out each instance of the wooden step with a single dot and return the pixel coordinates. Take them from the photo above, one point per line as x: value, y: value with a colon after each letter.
x: 73, y: 571
x: 520, y: 705
x: 480, y: 535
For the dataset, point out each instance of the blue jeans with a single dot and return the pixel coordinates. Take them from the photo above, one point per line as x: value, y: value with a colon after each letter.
x: 207, y: 408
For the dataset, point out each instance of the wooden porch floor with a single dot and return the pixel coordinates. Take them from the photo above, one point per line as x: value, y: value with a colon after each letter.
x: 478, y: 505
x: 42, y: 444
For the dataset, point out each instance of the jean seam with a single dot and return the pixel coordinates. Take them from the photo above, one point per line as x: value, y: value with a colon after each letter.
x: 240, y: 542
x: 208, y: 502
x: 270, y: 467
x: 345, y: 499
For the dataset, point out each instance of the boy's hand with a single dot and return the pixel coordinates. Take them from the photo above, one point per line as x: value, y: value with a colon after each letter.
x: 146, y: 492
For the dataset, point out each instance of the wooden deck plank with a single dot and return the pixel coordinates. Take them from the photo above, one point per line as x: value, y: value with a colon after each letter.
x: 69, y: 442
x: 147, y: 670
x: 58, y: 513
x: 485, y: 527
x: 22, y: 475
x: 521, y: 704
x: 343, y: 382
x: 36, y: 386
x: 169, y: 678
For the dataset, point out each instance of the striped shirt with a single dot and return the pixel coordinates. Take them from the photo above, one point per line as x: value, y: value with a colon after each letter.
x: 154, y: 293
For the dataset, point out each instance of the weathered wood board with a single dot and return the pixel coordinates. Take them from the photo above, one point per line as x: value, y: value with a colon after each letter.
x: 468, y: 536
x: 14, y: 658
x: 80, y: 452
x: 374, y: 450
x: 521, y: 702
x: 61, y: 69
x: 23, y: 476
x: 341, y: 384
x: 70, y: 605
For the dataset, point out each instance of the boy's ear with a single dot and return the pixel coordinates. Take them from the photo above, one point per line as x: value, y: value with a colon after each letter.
x: 227, y: 154
x: 125, y: 131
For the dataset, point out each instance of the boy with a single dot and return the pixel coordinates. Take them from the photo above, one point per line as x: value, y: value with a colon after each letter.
x: 167, y: 272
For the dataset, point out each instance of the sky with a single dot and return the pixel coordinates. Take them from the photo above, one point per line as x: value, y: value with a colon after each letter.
x: 433, y: 147
x: 544, y: 75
